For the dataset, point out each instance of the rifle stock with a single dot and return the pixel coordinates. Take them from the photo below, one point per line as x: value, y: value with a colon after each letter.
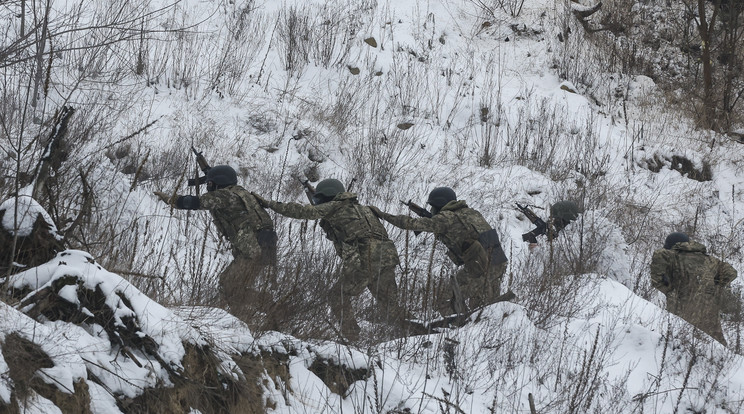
x: 203, y: 165
x: 420, y: 211
x: 309, y: 189
x: 541, y: 226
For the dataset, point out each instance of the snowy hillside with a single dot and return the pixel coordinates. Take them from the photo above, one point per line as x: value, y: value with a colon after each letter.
x: 503, y: 101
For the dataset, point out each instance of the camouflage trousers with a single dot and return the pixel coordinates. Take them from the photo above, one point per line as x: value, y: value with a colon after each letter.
x: 366, y: 266
x: 702, y: 311
x: 475, y: 289
x: 239, y: 291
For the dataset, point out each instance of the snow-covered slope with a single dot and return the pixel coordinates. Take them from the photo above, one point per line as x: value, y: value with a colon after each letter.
x: 497, y: 100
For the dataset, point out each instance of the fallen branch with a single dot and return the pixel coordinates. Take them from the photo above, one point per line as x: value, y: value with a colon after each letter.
x: 582, y: 13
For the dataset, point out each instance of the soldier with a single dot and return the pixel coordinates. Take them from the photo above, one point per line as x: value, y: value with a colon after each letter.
x: 368, y: 255
x: 692, y: 282
x: 562, y: 214
x: 471, y: 243
x: 243, y: 222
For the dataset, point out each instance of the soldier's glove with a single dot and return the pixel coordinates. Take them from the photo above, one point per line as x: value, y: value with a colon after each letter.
x: 529, y: 237
x: 167, y: 199
x: 261, y: 201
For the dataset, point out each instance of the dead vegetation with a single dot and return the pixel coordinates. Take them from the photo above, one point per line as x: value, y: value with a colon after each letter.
x: 25, y: 358
x: 28, y: 251
x: 681, y: 164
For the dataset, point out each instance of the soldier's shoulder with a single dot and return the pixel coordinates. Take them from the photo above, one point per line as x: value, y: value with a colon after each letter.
x: 235, y: 189
x: 455, y: 205
x: 346, y: 196
x: 469, y: 211
x: 691, y: 247
x: 658, y: 253
x: 227, y: 193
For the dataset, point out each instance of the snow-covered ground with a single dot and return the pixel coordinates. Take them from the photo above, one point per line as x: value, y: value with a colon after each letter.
x: 449, y: 93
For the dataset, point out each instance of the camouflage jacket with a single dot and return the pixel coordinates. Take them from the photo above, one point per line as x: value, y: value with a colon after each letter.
x: 686, y: 270
x: 236, y: 214
x: 345, y: 222
x: 456, y: 225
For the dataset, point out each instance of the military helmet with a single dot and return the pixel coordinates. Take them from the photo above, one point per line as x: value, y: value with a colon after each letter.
x: 566, y: 210
x: 329, y: 187
x: 674, y: 238
x: 326, y: 190
x: 440, y: 196
x: 221, y: 176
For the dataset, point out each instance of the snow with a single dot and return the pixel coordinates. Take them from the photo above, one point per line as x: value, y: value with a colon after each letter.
x: 36, y: 404
x: 20, y: 213
x: 101, y: 401
x: 6, y: 389
x: 436, y: 65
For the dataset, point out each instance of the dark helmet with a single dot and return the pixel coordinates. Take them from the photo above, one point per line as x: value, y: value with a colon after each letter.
x: 326, y: 190
x: 674, y: 238
x: 563, y: 213
x: 440, y: 196
x: 221, y: 176
x: 566, y: 210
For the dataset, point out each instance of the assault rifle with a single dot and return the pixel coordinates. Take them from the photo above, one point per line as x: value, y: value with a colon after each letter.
x: 420, y: 211
x: 203, y: 165
x: 461, y: 318
x: 541, y: 226
x: 309, y: 189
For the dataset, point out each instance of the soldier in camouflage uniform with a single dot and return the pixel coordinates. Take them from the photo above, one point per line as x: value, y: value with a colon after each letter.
x: 368, y: 255
x: 242, y: 221
x: 692, y: 282
x: 562, y: 214
x: 471, y: 243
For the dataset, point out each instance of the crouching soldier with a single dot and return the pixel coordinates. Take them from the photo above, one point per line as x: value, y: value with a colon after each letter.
x: 471, y: 243
x: 244, y: 223
x: 367, y: 254
x: 692, y: 282
x: 562, y: 214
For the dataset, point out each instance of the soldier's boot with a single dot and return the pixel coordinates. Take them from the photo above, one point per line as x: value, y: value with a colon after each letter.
x: 451, y: 307
x: 400, y: 319
x: 445, y: 308
x: 716, y: 332
x: 344, y: 314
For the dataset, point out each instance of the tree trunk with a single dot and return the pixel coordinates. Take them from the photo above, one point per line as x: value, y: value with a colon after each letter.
x: 705, y: 30
x: 40, y: 47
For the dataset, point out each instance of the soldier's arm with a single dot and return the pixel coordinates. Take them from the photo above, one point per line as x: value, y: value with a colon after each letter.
x: 208, y: 201
x: 660, y: 273
x: 188, y: 202
x: 726, y: 274
x: 434, y: 224
x: 301, y: 211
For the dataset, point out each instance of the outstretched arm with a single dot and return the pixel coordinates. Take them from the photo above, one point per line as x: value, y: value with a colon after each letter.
x: 434, y: 224
x: 187, y: 202
x: 296, y: 210
x: 726, y: 274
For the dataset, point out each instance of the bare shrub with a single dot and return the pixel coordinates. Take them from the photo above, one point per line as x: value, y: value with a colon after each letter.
x: 346, y: 106
x: 240, y: 49
x: 294, y: 33
x: 384, y: 156
x: 489, y: 8
x: 549, y: 288
x: 543, y: 141
x: 332, y: 32
x: 664, y: 43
